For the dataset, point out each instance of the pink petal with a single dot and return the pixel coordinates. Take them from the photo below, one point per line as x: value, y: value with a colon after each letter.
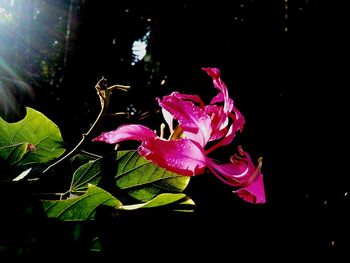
x: 241, y: 172
x: 212, y: 72
x: 221, y: 86
x: 253, y: 193
x: 193, y: 120
x: 219, y: 121
x: 237, y: 125
x: 218, y: 134
x: 217, y: 99
x: 181, y: 156
x: 193, y: 98
x: 236, y: 173
x: 126, y: 132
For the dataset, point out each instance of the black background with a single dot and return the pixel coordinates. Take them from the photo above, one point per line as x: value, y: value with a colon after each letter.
x: 290, y: 86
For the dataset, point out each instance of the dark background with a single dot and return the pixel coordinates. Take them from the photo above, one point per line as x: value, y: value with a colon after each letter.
x: 285, y: 63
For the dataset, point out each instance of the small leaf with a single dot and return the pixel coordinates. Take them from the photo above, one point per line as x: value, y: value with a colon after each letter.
x: 159, y: 200
x: 85, y: 174
x: 82, y: 207
x: 186, y: 205
x: 34, y: 139
x: 144, y: 180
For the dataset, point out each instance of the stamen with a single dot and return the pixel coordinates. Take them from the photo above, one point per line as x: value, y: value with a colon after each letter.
x: 162, y: 127
x: 177, y: 133
x: 256, y: 172
x: 116, y: 146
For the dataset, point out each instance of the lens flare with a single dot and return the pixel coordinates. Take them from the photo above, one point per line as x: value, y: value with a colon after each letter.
x: 13, y: 90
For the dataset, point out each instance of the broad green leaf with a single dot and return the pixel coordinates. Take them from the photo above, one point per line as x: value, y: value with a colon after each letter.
x: 14, y: 153
x: 82, y: 207
x: 34, y: 139
x: 85, y: 174
x: 159, y: 200
x: 144, y: 180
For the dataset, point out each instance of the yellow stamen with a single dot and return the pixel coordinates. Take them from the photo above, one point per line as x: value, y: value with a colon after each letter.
x: 177, y: 133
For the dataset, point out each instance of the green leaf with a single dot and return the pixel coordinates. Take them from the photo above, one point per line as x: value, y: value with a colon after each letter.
x: 160, y: 200
x: 13, y: 153
x: 80, y: 159
x: 82, y: 207
x: 186, y: 205
x: 34, y: 139
x: 85, y: 174
x: 144, y: 180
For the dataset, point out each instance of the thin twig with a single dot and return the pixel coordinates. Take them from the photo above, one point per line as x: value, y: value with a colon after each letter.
x: 93, y: 155
x: 104, y: 94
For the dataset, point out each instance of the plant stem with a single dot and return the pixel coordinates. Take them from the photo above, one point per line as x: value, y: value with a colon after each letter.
x: 104, y: 94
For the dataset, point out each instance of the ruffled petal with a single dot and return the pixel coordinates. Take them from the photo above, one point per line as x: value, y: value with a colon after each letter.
x: 126, y: 132
x: 221, y: 86
x: 219, y: 121
x: 213, y: 72
x: 241, y: 173
x: 220, y: 114
x: 255, y: 192
x: 180, y: 156
x: 219, y: 118
x: 237, y: 125
x: 193, y: 120
x: 193, y: 98
x: 232, y: 174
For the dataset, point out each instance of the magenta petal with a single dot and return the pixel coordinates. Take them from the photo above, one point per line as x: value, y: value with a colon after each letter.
x: 242, y: 173
x: 218, y: 134
x: 238, y: 123
x: 220, y: 117
x: 233, y: 174
x: 217, y: 99
x: 193, y: 120
x: 219, y: 121
x: 212, y: 72
x: 255, y: 192
x: 193, y: 98
x: 126, y: 132
x: 221, y: 86
x: 180, y: 156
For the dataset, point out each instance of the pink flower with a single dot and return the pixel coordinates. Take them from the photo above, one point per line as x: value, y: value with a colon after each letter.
x: 241, y: 172
x: 198, y: 124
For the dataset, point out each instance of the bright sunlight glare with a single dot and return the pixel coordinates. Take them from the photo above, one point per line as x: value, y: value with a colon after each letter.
x: 12, y: 86
x: 28, y: 46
